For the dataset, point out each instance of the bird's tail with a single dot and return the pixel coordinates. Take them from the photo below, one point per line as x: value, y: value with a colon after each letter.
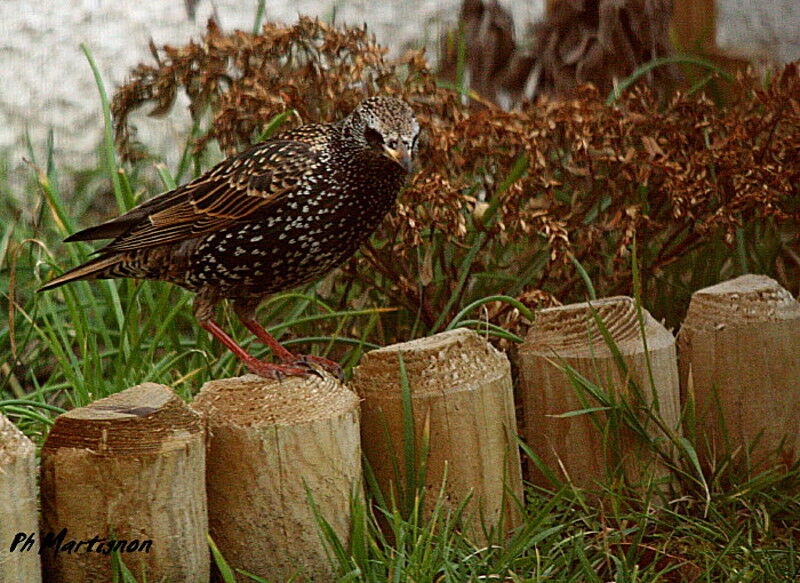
x: 94, y: 269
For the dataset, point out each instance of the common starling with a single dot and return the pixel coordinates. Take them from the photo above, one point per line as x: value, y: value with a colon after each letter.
x: 280, y: 214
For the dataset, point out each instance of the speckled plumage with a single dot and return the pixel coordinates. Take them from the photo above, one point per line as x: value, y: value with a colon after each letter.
x: 280, y: 214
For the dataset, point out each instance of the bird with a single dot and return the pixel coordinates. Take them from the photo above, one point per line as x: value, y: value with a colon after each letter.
x: 278, y: 215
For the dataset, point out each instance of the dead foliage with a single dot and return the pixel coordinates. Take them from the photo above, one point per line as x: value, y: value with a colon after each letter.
x: 503, y: 199
x: 244, y: 80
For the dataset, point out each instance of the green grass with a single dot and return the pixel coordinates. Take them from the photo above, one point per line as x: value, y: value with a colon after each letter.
x: 90, y: 339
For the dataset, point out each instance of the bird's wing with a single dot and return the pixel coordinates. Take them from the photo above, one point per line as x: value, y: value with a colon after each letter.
x: 231, y: 192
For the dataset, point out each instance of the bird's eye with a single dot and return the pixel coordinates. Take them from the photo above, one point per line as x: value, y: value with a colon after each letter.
x: 374, y: 137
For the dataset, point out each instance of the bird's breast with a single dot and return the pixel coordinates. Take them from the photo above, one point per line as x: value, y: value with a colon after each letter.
x: 302, y: 237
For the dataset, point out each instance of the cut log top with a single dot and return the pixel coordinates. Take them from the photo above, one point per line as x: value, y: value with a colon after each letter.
x: 572, y: 330
x: 449, y: 361
x: 144, y: 418
x: 13, y: 443
x: 744, y: 300
x: 252, y: 400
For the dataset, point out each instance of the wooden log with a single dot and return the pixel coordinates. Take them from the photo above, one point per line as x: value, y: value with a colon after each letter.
x: 739, y: 358
x: 462, y: 399
x: 589, y: 449
x: 270, y: 444
x: 129, y: 467
x: 19, y: 508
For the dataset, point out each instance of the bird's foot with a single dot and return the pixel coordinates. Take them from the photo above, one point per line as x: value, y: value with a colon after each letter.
x: 279, y: 371
x: 324, y: 363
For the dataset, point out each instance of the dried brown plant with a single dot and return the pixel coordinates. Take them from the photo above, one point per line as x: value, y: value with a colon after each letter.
x: 245, y: 80
x: 502, y: 200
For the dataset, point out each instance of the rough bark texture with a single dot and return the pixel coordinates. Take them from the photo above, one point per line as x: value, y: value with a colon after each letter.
x: 739, y: 351
x: 129, y: 467
x: 462, y: 401
x: 19, y: 508
x: 272, y: 444
x: 594, y: 448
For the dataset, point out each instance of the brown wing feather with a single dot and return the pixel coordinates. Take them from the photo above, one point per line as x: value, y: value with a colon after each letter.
x: 230, y: 192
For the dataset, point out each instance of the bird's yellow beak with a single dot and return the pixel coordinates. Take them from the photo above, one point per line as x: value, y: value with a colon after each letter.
x: 399, y: 155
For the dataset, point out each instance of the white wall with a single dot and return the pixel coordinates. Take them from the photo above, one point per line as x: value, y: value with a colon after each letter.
x: 769, y: 29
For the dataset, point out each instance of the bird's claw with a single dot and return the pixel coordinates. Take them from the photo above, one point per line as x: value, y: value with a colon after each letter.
x: 280, y: 371
x: 325, y: 364
x: 306, y: 365
x: 299, y: 366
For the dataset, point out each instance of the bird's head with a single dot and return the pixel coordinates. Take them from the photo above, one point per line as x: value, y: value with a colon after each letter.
x: 386, y: 127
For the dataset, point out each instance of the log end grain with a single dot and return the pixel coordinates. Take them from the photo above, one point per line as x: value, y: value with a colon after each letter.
x: 740, y: 371
x: 462, y: 405
x: 145, y: 418
x: 579, y: 448
x: 572, y: 330
x: 251, y: 400
x: 271, y: 445
x: 449, y: 359
x: 129, y: 467
x: 740, y: 301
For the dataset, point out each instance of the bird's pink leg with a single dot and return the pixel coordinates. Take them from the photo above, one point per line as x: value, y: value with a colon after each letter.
x: 286, y: 356
x: 265, y: 337
x: 255, y: 366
